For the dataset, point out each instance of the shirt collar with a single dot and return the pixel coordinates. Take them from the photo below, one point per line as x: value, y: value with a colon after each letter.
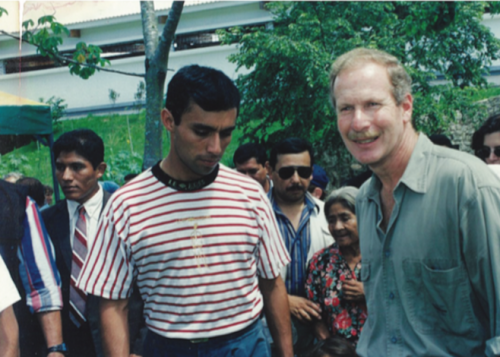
x: 415, y: 176
x: 92, y: 206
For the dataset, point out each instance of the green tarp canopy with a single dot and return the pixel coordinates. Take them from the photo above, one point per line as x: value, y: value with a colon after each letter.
x: 21, y: 120
x: 19, y: 116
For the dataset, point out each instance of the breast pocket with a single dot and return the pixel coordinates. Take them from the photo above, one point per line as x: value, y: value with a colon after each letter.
x: 437, y: 296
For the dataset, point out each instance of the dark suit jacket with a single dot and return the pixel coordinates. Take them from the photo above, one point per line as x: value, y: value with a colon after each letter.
x: 56, y: 219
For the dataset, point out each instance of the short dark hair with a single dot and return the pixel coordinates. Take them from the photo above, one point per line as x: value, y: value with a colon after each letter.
x: 248, y: 151
x: 209, y: 88
x: 36, y: 189
x: 290, y: 146
x: 83, y: 142
x: 491, y: 125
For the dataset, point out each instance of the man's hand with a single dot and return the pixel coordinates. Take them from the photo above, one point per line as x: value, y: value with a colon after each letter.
x: 303, y: 309
x: 353, y: 290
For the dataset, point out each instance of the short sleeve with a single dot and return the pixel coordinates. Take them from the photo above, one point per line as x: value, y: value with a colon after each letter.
x: 108, y: 269
x: 272, y: 254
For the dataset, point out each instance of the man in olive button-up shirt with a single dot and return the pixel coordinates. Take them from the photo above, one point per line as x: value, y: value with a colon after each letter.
x: 428, y: 219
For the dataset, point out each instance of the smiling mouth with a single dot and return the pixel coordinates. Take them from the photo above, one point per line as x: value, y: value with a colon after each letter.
x: 365, y: 141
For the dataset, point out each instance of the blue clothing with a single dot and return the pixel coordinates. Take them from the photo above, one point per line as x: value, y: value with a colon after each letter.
x: 250, y: 342
x: 297, y: 243
x: 37, y: 266
x: 432, y: 278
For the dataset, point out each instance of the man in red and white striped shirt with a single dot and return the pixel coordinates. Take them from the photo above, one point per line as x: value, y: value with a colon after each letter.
x: 200, y: 239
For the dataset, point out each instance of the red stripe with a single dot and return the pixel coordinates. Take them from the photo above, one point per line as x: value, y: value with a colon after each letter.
x: 188, y: 257
x: 185, y: 238
x: 193, y: 276
x: 162, y: 302
x: 204, y: 293
x: 198, y: 321
x: 198, y: 330
x: 171, y: 312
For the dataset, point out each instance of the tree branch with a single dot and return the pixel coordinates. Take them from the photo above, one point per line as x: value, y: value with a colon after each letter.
x: 167, y: 36
x: 65, y: 60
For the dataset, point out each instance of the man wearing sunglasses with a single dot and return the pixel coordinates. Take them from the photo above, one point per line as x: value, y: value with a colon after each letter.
x: 303, y: 227
x: 428, y: 222
x: 250, y: 159
x: 486, y: 141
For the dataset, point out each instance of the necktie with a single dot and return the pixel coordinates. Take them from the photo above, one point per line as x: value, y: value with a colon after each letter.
x: 78, y: 298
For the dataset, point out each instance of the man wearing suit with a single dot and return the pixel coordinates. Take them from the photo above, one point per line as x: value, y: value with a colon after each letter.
x: 72, y: 225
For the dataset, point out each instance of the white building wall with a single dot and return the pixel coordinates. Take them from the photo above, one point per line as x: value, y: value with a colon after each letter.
x: 94, y: 92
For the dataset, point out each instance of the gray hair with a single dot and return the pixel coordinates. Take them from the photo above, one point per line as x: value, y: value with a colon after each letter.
x: 400, y: 79
x: 14, y: 175
x: 346, y: 196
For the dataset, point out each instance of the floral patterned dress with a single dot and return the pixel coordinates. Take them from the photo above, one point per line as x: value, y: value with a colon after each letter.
x: 327, y: 270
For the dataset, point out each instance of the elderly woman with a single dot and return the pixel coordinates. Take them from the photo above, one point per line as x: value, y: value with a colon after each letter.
x: 333, y: 279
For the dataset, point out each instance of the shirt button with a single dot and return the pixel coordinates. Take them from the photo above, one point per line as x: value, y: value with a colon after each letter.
x: 394, y: 340
x: 388, y: 253
x: 391, y: 296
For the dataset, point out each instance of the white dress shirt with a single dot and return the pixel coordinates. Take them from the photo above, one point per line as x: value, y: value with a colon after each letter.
x: 93, y: 208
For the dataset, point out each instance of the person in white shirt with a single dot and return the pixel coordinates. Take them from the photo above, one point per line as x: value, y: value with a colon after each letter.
x: 9, y: 331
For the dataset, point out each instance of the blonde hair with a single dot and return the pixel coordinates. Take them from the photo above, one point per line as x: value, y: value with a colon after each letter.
x: 400, y: 79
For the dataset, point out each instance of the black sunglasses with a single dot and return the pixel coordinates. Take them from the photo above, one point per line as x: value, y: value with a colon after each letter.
x: 288, y: 171
x: 485, y: 152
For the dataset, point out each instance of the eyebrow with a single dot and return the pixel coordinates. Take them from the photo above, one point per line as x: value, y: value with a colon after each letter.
x: 211, y: 128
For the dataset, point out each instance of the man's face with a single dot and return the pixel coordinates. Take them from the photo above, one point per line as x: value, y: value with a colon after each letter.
x: 368, y: 118
x: 492, y: 141
x: 254, y: 170
x: 199, y: 141
x: 293, y: 189
x: 77, y: 176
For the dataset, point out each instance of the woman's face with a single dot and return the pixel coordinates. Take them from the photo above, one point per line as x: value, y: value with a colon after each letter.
x: 343, y: 225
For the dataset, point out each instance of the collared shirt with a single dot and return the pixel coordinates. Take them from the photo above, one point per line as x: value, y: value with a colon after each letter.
x: 297, y: 242
x: 93, y: 207
x: 432, y: 279
x: 37, y: 266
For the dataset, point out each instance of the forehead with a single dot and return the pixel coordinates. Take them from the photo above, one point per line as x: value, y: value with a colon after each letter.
x: 492, y: 139
x: 252, y: 162
x: 217, y: 119
x: 366, y: 79
x: 338, y: 208
x: 68, y: 157
x: 299, y: 159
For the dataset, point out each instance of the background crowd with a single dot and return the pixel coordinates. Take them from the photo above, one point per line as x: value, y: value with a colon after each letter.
x: 82, y: 267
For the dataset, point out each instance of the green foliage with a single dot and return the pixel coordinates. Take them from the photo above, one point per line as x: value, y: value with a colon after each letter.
x: 3, y: 11
x: 121, y: 164
x: 287, y: 92
x: 113, y: 95
x: 57, y: 108
x: 87, y: 58
x: 15, y: 162
x: 49, y: 34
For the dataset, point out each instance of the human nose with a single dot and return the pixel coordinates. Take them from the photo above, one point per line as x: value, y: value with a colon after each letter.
x: 67, y: 174
x: 492, y: 156
x: 214, y: 146
x: 360, y: 120
x: 338, y: 226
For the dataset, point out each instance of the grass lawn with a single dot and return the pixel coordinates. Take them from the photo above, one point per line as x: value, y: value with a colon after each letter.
x: 121, y: 154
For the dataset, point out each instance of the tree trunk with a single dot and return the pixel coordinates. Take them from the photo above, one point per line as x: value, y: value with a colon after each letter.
x: 156, y: 63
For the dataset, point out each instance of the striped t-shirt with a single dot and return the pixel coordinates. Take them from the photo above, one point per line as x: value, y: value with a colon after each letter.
x: 196, y: 255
